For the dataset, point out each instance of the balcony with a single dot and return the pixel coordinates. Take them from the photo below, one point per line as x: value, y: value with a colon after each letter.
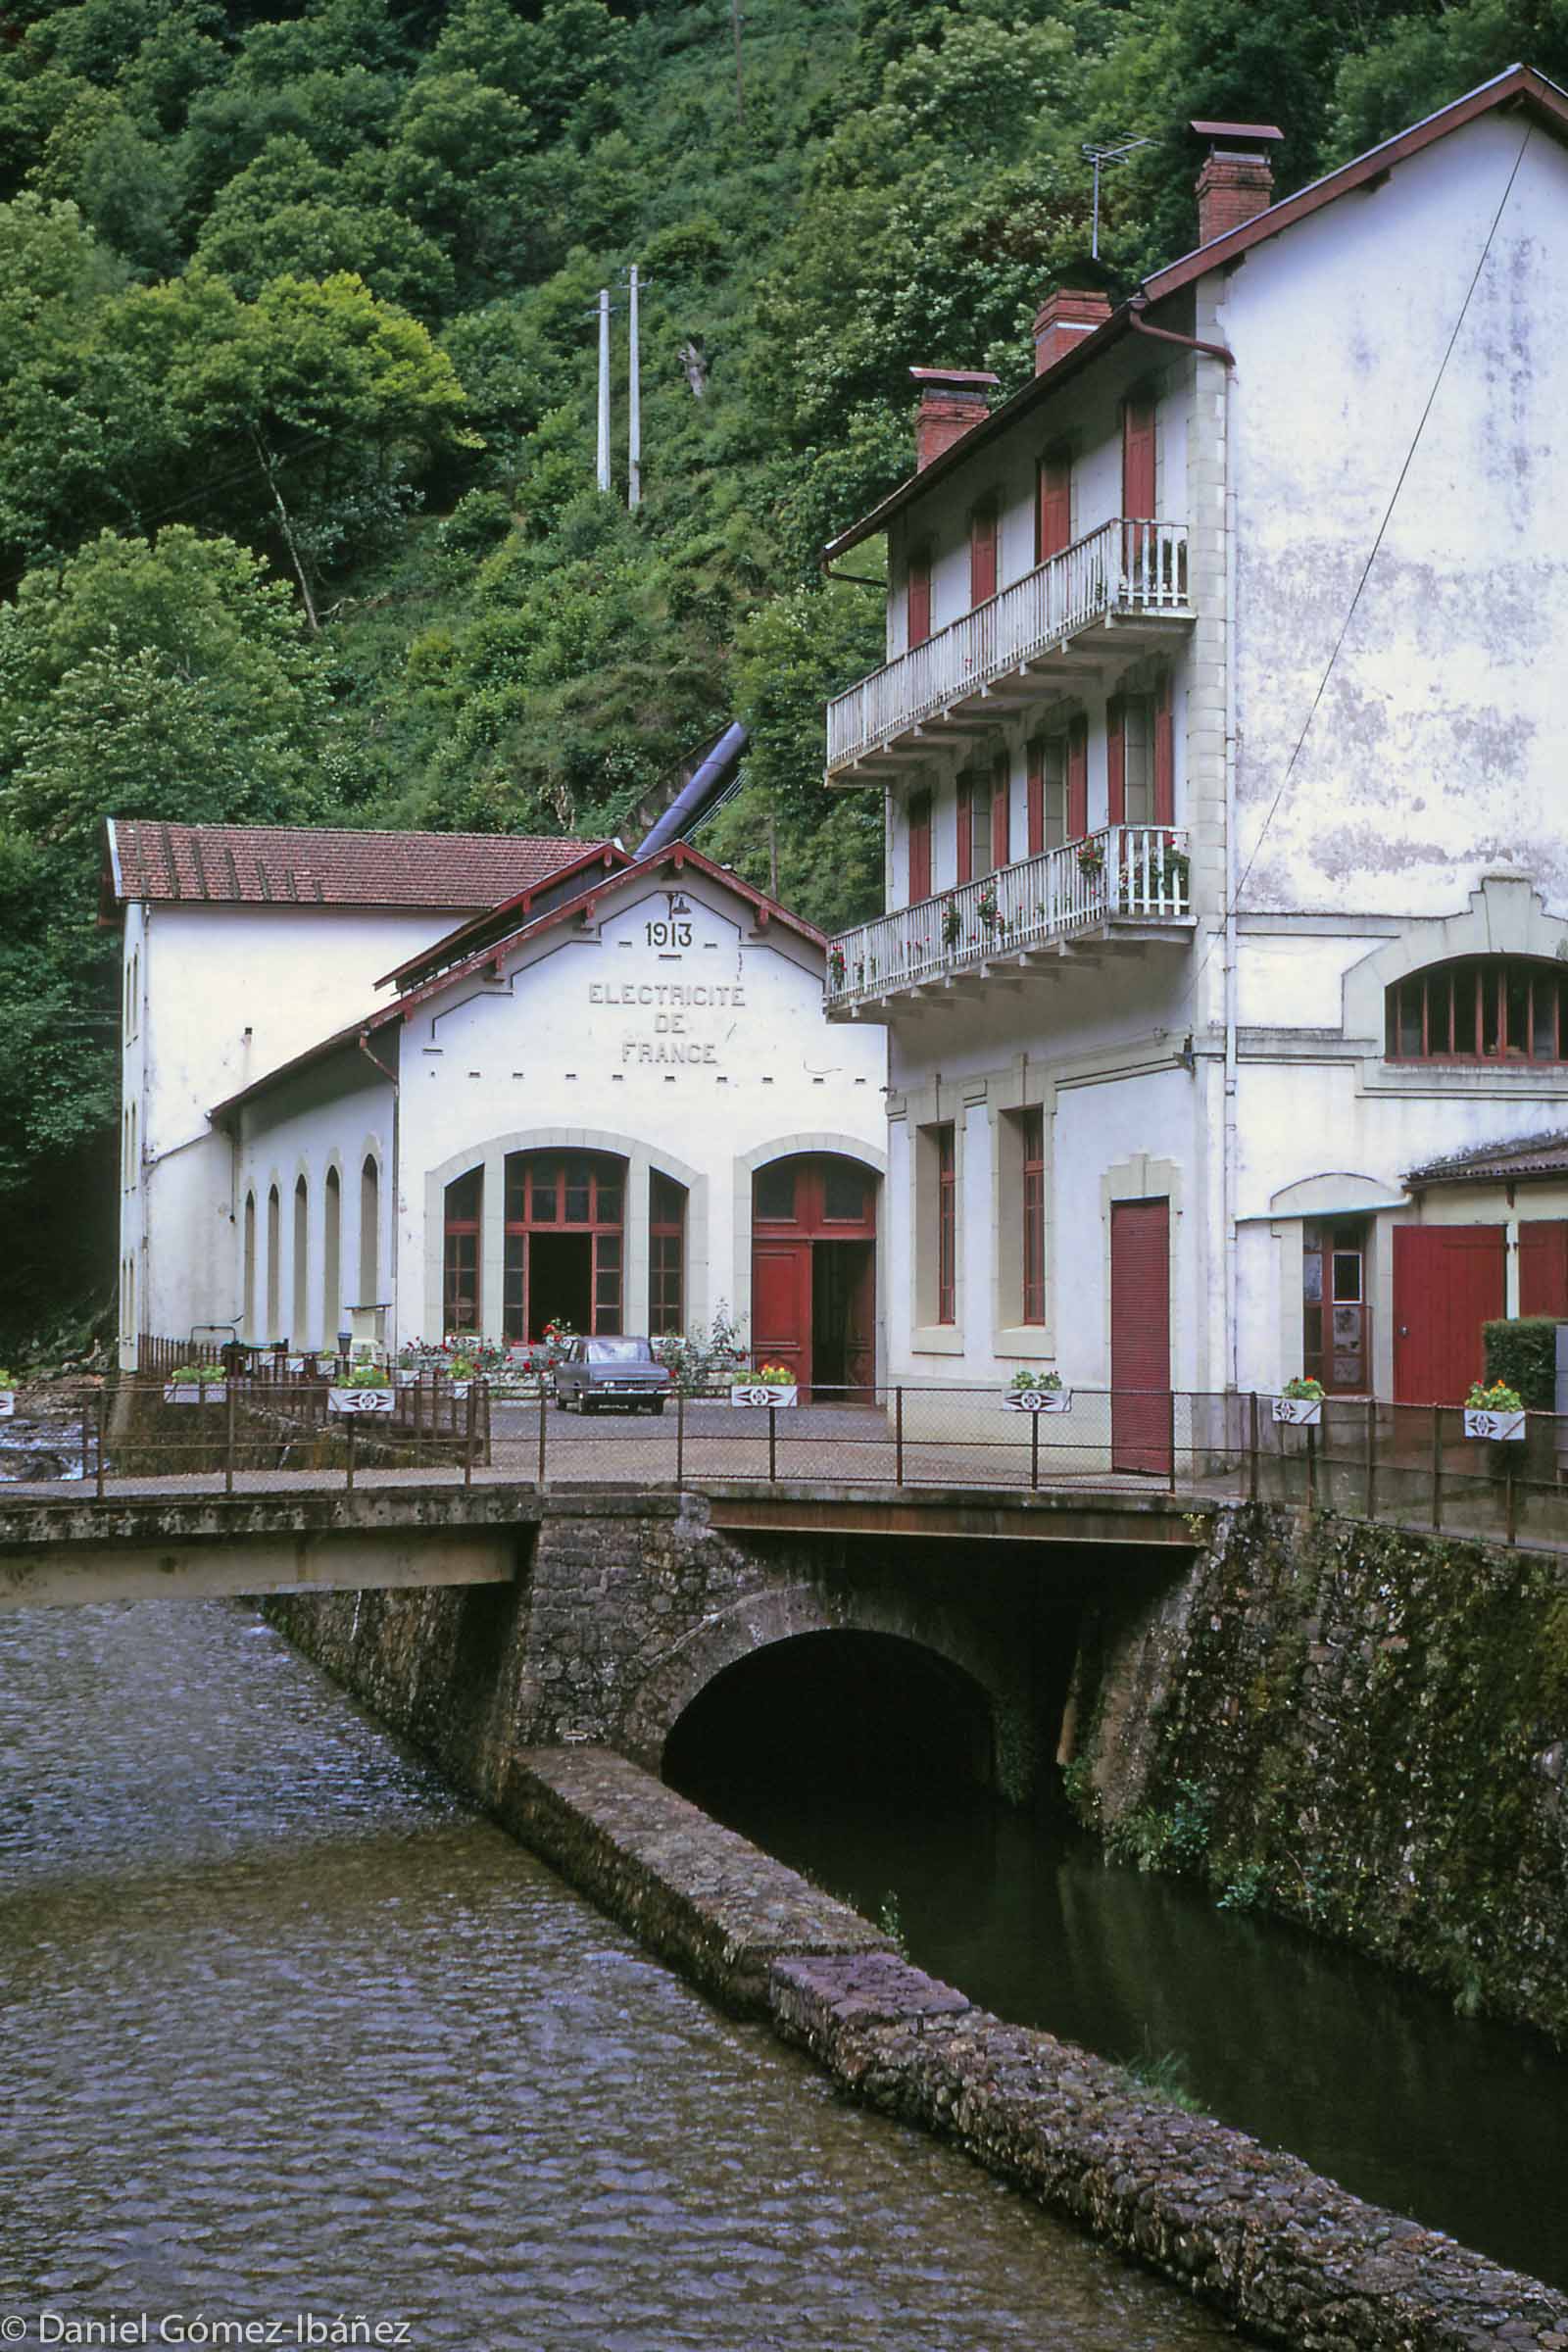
x: 1127, y: 882
x: 1100, y: 598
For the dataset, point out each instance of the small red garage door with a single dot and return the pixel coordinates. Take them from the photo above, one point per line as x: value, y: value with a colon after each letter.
x: 1140, y: 1335
x: 1544, y: 1267
x: 1448, y: 1281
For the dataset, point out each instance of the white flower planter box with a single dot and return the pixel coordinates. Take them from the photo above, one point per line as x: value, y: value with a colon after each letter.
x: 406, y: 1379
x: 763, y: 1392
x: 1299, y: 1412
x: 1497, y: 1428
x: 190, y: 1391
x: 8, y: 1405
x: 360, y: 1400
x: 1038, y: 1400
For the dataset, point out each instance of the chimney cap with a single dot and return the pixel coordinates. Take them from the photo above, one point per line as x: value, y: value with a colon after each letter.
x: 961, y: 377
x: 1231, y: 134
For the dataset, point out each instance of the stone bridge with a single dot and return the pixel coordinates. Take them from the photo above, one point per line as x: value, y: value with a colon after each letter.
x: 487, y: 1620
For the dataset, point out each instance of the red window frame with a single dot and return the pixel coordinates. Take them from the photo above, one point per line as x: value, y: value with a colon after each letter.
x: 533, y: 1178
x: 1500, y: 1008
x: 919, y: 596
x: 1032, y: 1142
x: 947, y: 1224
x: 963, y: 801
x: 983, y: 552
x: 1052, y: 505
x: 919, y: 825
x: 1035, y: 796
x: 463, y: 1223
x: 1000, y: 812
x: 1078, y: 778
x: 666, y: 1255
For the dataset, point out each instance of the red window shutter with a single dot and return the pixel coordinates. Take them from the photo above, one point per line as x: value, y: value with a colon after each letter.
x: 1036, y: 797
x: 919, y: 596
x: 1000, y: 826
x: 1078, y: 779
x: 965, y: 829
x: 1544, y: 1267
x: 1164, y: 755
x: 1138, y: 456
x: 920, y: 847
x: 1054, y: 511
x: 1115, y: 763
x: 982, y: 554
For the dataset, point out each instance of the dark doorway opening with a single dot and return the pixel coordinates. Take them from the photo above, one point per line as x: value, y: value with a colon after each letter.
x: 561, y: 1278
x: 830, y: 1712
x: 843, y: 1318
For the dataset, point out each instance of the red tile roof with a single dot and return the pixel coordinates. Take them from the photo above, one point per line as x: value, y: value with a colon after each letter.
x: 318, y: 866
x: 1530, y: 1156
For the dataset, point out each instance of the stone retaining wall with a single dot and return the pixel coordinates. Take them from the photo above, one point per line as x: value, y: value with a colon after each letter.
x: 1288, y: 2255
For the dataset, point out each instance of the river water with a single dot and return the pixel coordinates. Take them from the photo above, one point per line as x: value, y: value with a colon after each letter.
x: 285, y: 2028
x: 1374, y: 2081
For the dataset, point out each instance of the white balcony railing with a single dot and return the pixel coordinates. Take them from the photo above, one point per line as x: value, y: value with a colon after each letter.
x: 1125, y: 567
x: 1129, y: 873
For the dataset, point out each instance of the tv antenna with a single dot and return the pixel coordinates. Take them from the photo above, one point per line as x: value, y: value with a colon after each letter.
x: 1101, y: 156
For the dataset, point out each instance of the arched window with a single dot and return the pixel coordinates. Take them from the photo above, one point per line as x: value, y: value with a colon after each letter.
x: 369, y: 1232
x: 331, y: 1257
x: 1480, y: 1009
x: 666, y: 1255
x: 302, y: 1260
x: 464, y: 1223
x: 249, y: 1271
x: 273, y: 1252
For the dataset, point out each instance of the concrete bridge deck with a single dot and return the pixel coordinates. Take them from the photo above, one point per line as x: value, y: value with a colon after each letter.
x: 188, y: 1537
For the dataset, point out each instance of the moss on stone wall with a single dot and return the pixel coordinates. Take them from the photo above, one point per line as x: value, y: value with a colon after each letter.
x: 1365, y: 1731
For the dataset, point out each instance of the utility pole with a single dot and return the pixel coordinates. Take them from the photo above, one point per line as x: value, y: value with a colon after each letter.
x: 634, y: 403
x: 603, y: 391
x: 736, y: 21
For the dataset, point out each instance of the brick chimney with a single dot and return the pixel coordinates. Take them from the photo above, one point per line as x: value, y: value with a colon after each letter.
x: 1063, y: 319
x: 952, y: 402
x: 1236, y: 181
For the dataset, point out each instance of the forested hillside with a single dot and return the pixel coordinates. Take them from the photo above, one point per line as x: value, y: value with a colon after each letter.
x: 297, y: 505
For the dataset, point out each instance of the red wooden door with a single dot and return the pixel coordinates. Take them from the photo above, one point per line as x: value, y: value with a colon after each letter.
x: 919, y: 596
x: 1078, y: 779
x: 1140, y: 1335
x: 1448, y: 1281
x: 982, y: 554
x: 920, y: 847
x: 1544, y: 1267
x: 781, y: 1305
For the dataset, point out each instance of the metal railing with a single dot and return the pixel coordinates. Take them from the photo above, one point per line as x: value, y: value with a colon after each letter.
x: 1412, y: 1466
x: 1127, y: 566
x: 1136, y: 873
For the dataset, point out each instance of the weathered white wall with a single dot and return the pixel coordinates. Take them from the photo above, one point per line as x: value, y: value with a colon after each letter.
x: 576, y: 1045
x: 1437, y: 749
x: 227, y: 993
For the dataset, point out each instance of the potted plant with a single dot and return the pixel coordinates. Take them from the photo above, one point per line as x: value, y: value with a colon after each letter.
x: 952, y: 925
x: 367, y: 1391
x: 1496, y: 1413
x: 1037, y: 1393
x: 987, y: 909
x: 769, y: 1384
x: 196, y: 1384
x: 1300, y: 1403
x: 836, y: 965
x: 1090, y: 861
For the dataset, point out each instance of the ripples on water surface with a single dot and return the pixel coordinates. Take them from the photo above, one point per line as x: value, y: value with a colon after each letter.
x: 286, y: 2028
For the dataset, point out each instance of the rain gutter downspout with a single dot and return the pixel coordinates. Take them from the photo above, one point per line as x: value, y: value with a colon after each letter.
x: 1229, y: 1147
x: 392, y: 1079
x: 1167, y: 334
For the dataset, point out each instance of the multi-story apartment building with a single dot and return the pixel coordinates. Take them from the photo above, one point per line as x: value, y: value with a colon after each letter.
x: 1224, y: 763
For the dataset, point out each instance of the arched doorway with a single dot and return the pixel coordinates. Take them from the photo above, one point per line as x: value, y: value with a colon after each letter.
x: 565, y: 1242
x: 814, y: 1272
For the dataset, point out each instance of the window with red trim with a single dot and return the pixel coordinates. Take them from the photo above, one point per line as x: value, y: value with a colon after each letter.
x: 983, y: 552
x: 1000, y: 812
x: 666, y: 1255
x: 1048, y: 793
x: 947, y: 1223
x: 1480, y: 1009
x: 920, y: 618
x: 920, y: 847
x: 460, y: 1266
x: 1032, y: 1140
